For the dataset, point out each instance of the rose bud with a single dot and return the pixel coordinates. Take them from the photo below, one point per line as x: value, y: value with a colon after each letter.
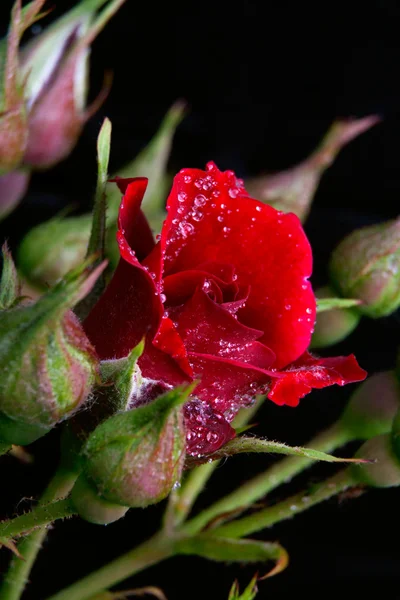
x: 384, y: 468
x: 13, y: 186
x: 47, y: 363
x: 366, y: 265
x: 293, y: 190
x: 372, y: 407
x: 333, y: 326
x: 13, y: 116
x: 222, y: 297
x: 53, y: 248
x: 133, y: 459
x: 55, y: 65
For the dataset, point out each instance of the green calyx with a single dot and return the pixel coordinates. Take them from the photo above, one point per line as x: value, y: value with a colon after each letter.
x: 48, y: 365
x: 366, y: 265
x: 134, y: 458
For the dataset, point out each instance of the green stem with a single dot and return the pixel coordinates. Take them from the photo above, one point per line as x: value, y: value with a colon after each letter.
x: 181, y: 501
x: 256, y: 488
x: 4, y: 448
x: 288, y: 508
x: 18, y: 572
x: 41, y: 515
x: 152, y: 551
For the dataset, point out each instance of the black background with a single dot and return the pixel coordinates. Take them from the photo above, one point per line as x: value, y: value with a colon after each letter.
x: 263, y: 82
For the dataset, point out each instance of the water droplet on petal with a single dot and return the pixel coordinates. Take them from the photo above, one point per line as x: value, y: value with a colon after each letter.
x: 258, y: 208
x: 200, y: 200
x: 182, y: 196
x: 187, y: 178
x: 233, y: 192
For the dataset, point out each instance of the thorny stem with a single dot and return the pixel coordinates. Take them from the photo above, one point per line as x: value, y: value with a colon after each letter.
x: 259, y: 486
x: 288, y: 508
x: 18, y: 572
x: 39, y: 516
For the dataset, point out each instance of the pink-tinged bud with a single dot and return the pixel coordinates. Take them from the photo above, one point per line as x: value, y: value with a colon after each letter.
x: 56, y: 66
x: 293, y: 190
x: 366, y: 265
x: 13, y: 187
x: 47, y: 363
x: 13, y: 115
x: 134, y: 458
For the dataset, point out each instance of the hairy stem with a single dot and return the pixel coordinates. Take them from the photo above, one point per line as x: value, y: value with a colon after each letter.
x: 17, y: 576
x: 288, y: 508
x: 256, y: 488
x: 39, y: 516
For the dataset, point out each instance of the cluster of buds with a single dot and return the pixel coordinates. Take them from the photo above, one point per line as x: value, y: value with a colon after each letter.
x: 43, y: 91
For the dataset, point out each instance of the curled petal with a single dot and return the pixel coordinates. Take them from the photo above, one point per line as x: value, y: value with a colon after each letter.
x: 310, y: 372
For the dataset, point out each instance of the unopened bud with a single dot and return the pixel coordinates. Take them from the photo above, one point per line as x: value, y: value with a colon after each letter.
x: 366, y: 265
x: 55, y: 65
x: 372, y: 407
x: 47, y: 363
x: 293, y: 190
x: 53, y: 248
x: 384, y: 468
x: 13, y: 186
x: 333, y: 326
x: 133, y: 459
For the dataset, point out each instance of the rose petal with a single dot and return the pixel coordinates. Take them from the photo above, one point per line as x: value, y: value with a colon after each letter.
x: 130, y: 308
x: 211, y: 219
x: 206, y: 429
x: 311, y: 372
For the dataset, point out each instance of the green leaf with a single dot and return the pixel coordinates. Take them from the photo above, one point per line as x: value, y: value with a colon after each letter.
x: 249, y: 593
x: 324, y: 304
x: 9, y: 283
x: 244, y: 444
x: 234, y: 550
x: 97, y: 236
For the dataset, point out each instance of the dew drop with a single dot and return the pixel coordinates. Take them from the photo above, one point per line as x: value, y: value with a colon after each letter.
x: 220, y: 218
x: 226, y: 229
x: 288, y: 306
x: 187, y: 178
x: 309, y: 311
x: 163, y: 298
x: 258, y: 208
x: 200, y: 200
x: 182, y: 196
x: 233, y: 192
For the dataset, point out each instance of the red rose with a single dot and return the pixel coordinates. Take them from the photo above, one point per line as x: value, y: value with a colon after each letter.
x: 222, y: 297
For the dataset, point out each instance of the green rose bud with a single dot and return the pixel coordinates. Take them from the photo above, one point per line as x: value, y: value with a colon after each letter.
x: 333, y: 326
x: 372, y: 407
x: 385, y: 470
x: 133, y: 459
x: 53, y: 248
x: 293, y: 190
x: 47, y: 363
x: 366, y: 265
